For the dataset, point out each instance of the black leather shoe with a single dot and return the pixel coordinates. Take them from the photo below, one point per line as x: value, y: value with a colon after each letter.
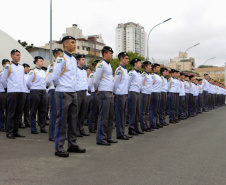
x: 47, y: 118
x: 10, y: 136
x: 3, y: 130
x: 79, y: 135
x: 139, y: 132
x: 92, y: 131
x: 85, y: 134
x: 148, y: 130
x: 44, y: 131
x: 160, y: 126
x: 154, y: 127
x: 76, y: 149
x: 62, y: 154
x: 104, y: 144
x: 123, y: 138
x: 111, y: 141
x: 22, y: 126
x: 18, y: 135
x: 128, y: 136
x: 51, y: 139
x: 34, y: 132
x: 27, y: 125
x: 132, y: 132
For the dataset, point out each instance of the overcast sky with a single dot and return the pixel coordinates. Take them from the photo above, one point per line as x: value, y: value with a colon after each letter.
x: 193, y: 21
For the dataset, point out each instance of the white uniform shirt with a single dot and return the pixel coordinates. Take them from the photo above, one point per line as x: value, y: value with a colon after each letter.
x: 103, y: 80
x: 196, y: 90
x: 205, y: 85
x: 1, y: 86
x: 81, y: 80
x: 192, y: 88
x: 64, y: 73
x: 182, y: 88
x: 134, y: 83
x: 164, y: 85
x: 146, y: 83
x: 187, y: 87
x: 14, y: 82
x: 90, y: 82
x: 36, y: 79
x: 121, y: 80
x: 173, y: 85
x: 26, y: 90
x: 157, y: 82
x: 49, y: 78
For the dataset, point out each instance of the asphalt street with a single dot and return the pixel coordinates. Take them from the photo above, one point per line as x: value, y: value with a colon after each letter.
x: 191, y: 152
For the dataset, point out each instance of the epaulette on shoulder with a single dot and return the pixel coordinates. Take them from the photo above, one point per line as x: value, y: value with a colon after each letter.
x: 119, y: 68
x: 61, y: 55
x: 132, y: 70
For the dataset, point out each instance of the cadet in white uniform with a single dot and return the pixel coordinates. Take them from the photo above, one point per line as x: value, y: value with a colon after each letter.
x: 64, y: 79
x: 121, y: 92
x: 145, y: 96
x: 200, y: 98
x: 93, y: 114
x: 13, y: 80
x: 205, y: 93
x: 26, y: 96
x: 191, y: 95
x: 134, y: 86
x: 81, y: 90
x: 163, y: 103
x: 38, y: 96
x: 195, y: 98
x: 172, y: 86
x: 187, y: 84
x: 103, y: 82
x: 3, y: 100
x: 157, y: 83
x: 51, y: 93
x: 181, y: 112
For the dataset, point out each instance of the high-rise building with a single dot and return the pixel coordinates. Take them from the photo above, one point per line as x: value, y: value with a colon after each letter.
x: 131, y: 37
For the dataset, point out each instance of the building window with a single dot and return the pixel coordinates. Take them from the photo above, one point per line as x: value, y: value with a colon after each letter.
x: 77, y: 47
x: 208, y: 72
x: 222, y: 72
x: 217, y: 72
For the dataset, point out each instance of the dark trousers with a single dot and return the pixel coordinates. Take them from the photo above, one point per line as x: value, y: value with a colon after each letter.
x: 3, y: 102
x: 181, y: 110
x: 154, y: 108
x: 105, y: 118
x: 81, y: 96
x: 186, y: 104
x: 163, y: 105
x: 190, y: 104
x: 134, y: 110
x: 27, y: 108
x: 205, y: 100
x: 38, y: 101
x: 52, y: 119
x: 93, y: 114
x: 66, y: 117
x: 15, y: 111
x: 195, y: 105
x: 200, y: 103
x: 88, y: 101
x: 172, y: 106
x: 144, y: 109
x: 120, y: 111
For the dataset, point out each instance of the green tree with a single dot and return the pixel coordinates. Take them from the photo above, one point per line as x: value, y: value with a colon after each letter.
x: 206, y: 66
x: 24, y: 43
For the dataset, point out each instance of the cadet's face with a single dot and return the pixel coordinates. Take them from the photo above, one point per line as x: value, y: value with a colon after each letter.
x: 157, y: 69
x: 39, y: 63
x: 16, y: 57
x: 164, y: 73
x: 70, y: 45
x: 137, y: 65
x: 148, y: 68
x: 108, y: 56
x: 57, y: 54
x: 82, y: 61
x: 125, y: 60
x: 26, y: 70
x: 88, y: 71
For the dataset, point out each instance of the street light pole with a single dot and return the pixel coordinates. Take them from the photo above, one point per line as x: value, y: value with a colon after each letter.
x: 150, y: 32
x: 186, y: 51
x: 50, y: 50
x: 207, y: 61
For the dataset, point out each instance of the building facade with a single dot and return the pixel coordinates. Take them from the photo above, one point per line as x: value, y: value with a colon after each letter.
x: 182, y: 63
x: 131, y: 37
x: 216, y: 73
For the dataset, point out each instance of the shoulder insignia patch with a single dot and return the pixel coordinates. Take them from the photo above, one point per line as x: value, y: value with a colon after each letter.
x: 6, y: 67
x: 118, y: 73
x: 59, y: 60
x: 130, y: 74
x: 31, y: 73
x: 143, y: 75
x: 100, y: 65
x: 152, y: 76
x: 91, y: 76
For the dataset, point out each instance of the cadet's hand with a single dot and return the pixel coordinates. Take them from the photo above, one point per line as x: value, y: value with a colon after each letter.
x: 96, y: 90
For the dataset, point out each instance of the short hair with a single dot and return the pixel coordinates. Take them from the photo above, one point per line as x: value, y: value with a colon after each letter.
x: 122, y: 55
x: 14, y: 51
x: 106, y: 49
x: 135, y: 60
x: 155, y: 65
x: 4, y: 61
x: 56, y: 50
x: 163, y: 69
x: 36, y: 59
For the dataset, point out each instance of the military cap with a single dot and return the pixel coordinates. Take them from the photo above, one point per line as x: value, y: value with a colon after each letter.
x: 186, y: 76
x: 173, y: 71
x: 122, y: 54
x: 108, y: 49
x: 25, y: 65
x: 67, y: 38
x: 205, y: 74
x: 56, y: 50
x: 14, y: 51
x: 146, y: 62
x: 80, y: 56
x: 182, y: 73
x: 44, y: 68
x: 5, y: 60
x: 191, y: 76
x: 36, y: 59
x: 95, y: 61
x: 135, y: 60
